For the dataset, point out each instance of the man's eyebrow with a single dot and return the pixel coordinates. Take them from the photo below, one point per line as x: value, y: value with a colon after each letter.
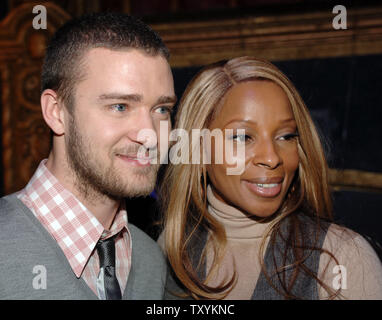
x: 167, y: 99
x: 121, y: 96
x: 136, y: 98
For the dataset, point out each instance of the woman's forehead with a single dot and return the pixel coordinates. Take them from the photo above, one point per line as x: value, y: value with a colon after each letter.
x: 254, y: 101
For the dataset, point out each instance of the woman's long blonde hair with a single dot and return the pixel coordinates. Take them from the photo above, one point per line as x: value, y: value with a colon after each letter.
x: 184, y: 186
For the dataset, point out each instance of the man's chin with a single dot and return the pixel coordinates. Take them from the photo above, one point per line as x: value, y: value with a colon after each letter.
x: 138, y: 188
x: 134, y: 193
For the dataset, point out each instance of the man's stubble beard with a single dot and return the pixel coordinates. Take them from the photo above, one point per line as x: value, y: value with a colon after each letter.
x: 94, y: 179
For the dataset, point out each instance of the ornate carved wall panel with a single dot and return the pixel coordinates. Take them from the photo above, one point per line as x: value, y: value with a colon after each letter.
x: 274, y: 37
x: 25, y: 136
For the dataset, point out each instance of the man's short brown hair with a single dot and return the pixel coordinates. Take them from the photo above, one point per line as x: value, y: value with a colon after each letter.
x: 62, y: 64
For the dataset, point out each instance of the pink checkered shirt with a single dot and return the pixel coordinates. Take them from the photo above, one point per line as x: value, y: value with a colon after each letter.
x: 75, y: 228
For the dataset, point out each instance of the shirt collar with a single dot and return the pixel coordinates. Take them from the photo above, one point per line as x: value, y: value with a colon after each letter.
x: 69, y: 222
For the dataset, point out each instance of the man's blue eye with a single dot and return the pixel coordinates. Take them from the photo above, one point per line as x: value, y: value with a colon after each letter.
x: 119, y: 107
x: 163, y: 110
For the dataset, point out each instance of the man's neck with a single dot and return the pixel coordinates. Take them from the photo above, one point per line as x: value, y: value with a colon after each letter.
x: 101, y: 206
x: 104, y: 211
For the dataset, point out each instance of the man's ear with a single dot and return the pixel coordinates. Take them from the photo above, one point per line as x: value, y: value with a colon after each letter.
x: 52, y: 111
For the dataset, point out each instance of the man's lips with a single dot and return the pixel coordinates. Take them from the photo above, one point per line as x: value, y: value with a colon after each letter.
x: 267, y: 187
x: 135, y: 159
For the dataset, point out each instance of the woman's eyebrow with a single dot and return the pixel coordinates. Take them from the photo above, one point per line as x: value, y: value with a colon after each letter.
x: 255, y: 122
x: 287, y: 120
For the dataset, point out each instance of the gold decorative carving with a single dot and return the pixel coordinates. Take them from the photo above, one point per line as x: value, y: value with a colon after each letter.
x: 273, y: 37
x: 36, y: 45
x: 25, y: 136
x: 355, y: 180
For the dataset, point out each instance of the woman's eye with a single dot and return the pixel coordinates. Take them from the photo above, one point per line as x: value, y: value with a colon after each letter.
x: 119, y: 107
x: 289, y: 136
x: 241, y: 137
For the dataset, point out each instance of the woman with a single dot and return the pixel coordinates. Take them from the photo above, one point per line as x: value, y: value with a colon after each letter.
x: 264, y: 232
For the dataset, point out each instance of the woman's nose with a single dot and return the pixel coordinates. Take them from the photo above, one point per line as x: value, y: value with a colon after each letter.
x: 266, y: 154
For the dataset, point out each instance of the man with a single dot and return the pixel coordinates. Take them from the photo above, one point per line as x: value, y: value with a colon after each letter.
x: 105, y: 78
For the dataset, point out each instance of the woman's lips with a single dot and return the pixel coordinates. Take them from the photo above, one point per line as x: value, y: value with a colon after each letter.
x: 265, y: 187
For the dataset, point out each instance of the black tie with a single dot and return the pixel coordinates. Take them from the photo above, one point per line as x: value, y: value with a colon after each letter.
x: 106, y: 253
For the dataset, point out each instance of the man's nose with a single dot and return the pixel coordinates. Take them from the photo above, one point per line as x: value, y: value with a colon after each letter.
x: 142, y: 129
x: 266, y: 154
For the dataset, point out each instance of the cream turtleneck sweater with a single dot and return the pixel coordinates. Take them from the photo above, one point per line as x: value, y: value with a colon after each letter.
x: 362, y: 270
x: 244, y: 238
